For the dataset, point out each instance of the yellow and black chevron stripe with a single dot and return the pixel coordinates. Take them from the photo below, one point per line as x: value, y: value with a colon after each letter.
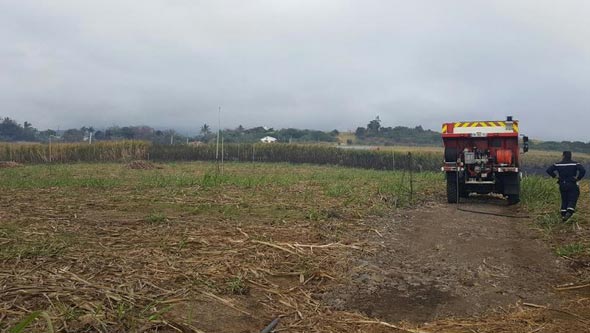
x: 480, y: 124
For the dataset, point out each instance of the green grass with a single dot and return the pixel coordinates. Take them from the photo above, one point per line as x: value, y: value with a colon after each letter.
x: 335, y: 182
x: 237, y: 286
x: 541, y: 197
x: 539, y: 194
x: 573, y: 249
x: 156, y: 218
x: 28, y: 320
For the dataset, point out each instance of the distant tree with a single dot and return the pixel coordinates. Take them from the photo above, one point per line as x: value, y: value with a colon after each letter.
x: 127, y: 133
x: 360, y: 132
x: 10, y: 130
x: 99, y: 135
x: 374, y: 125
x: 257, y: 130
x: 170, y: 136
x: 335, y: 132
x: 205, y: 130
x: 377, y: 134
x: 73, y: 135
x: 143, y: 133
x: 29, y: 132
x: 44, y: 136
x: 47, y: 133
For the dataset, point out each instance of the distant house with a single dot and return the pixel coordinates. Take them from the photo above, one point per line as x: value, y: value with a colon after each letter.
x: 268, y: 139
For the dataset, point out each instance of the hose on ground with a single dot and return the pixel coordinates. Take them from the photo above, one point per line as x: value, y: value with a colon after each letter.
x: 271, y: 326
x: 494, y: 214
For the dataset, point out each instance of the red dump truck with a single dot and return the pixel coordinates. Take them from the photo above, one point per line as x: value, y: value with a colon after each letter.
x: 482, y: 157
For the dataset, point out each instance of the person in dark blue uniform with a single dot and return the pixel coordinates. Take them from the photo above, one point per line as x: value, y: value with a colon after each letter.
x: 569, y: 174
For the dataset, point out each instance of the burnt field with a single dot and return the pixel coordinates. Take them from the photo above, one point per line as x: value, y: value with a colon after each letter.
x: 185, y: 247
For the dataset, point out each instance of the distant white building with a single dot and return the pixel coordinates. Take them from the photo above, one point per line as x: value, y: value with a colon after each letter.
x: 268, y: 139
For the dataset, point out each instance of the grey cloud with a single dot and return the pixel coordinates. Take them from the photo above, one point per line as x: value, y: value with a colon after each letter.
x: 314, y: 64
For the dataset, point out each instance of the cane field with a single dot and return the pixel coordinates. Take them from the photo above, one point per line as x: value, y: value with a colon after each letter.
x: 129, y: 237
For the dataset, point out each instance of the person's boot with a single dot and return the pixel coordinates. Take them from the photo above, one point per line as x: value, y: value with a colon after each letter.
x: 567, y: 216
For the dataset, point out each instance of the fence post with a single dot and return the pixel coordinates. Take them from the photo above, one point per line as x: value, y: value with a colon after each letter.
x: 411, y: 177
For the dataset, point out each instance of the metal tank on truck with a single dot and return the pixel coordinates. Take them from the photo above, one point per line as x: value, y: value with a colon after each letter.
x: 483, y: 157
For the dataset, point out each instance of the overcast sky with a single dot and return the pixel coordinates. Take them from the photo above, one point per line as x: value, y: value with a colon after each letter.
x: 297, y: 63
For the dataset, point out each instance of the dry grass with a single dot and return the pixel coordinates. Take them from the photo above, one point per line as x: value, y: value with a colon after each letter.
x: 9, y: 164
x: 141, y: 165
x: 74, y: 152
x: 102, y: 248
x: 378, y: 157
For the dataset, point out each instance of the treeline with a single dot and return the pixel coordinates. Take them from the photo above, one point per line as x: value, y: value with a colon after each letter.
x: 252, y: 135
x: 575, y: 146
x: 11, y: 131
x: 372, y: 134
x: 375, y: 134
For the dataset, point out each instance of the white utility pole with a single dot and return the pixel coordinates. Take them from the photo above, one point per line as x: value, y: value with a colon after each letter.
x: 218, y: 132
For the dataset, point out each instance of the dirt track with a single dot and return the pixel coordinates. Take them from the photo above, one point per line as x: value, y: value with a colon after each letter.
x: 438, y: 261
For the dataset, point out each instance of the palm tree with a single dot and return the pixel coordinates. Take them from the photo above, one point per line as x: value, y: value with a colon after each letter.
x: 205, y: 129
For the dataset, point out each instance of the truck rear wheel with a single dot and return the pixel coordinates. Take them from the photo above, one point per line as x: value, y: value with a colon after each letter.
x: 513, y: 199
x: 452, y: 187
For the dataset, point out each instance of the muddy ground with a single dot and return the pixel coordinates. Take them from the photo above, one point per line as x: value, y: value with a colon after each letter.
x: 438, y: 261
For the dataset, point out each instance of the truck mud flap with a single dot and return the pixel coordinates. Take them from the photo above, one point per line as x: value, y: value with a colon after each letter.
x: 451, y: 154
x: 511, y: 183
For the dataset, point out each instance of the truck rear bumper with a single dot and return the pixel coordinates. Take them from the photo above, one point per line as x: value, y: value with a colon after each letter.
x: 448, y: 168
x: 506, y: 169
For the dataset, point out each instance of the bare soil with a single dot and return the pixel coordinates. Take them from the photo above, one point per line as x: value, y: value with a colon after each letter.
x: 438, y: 261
